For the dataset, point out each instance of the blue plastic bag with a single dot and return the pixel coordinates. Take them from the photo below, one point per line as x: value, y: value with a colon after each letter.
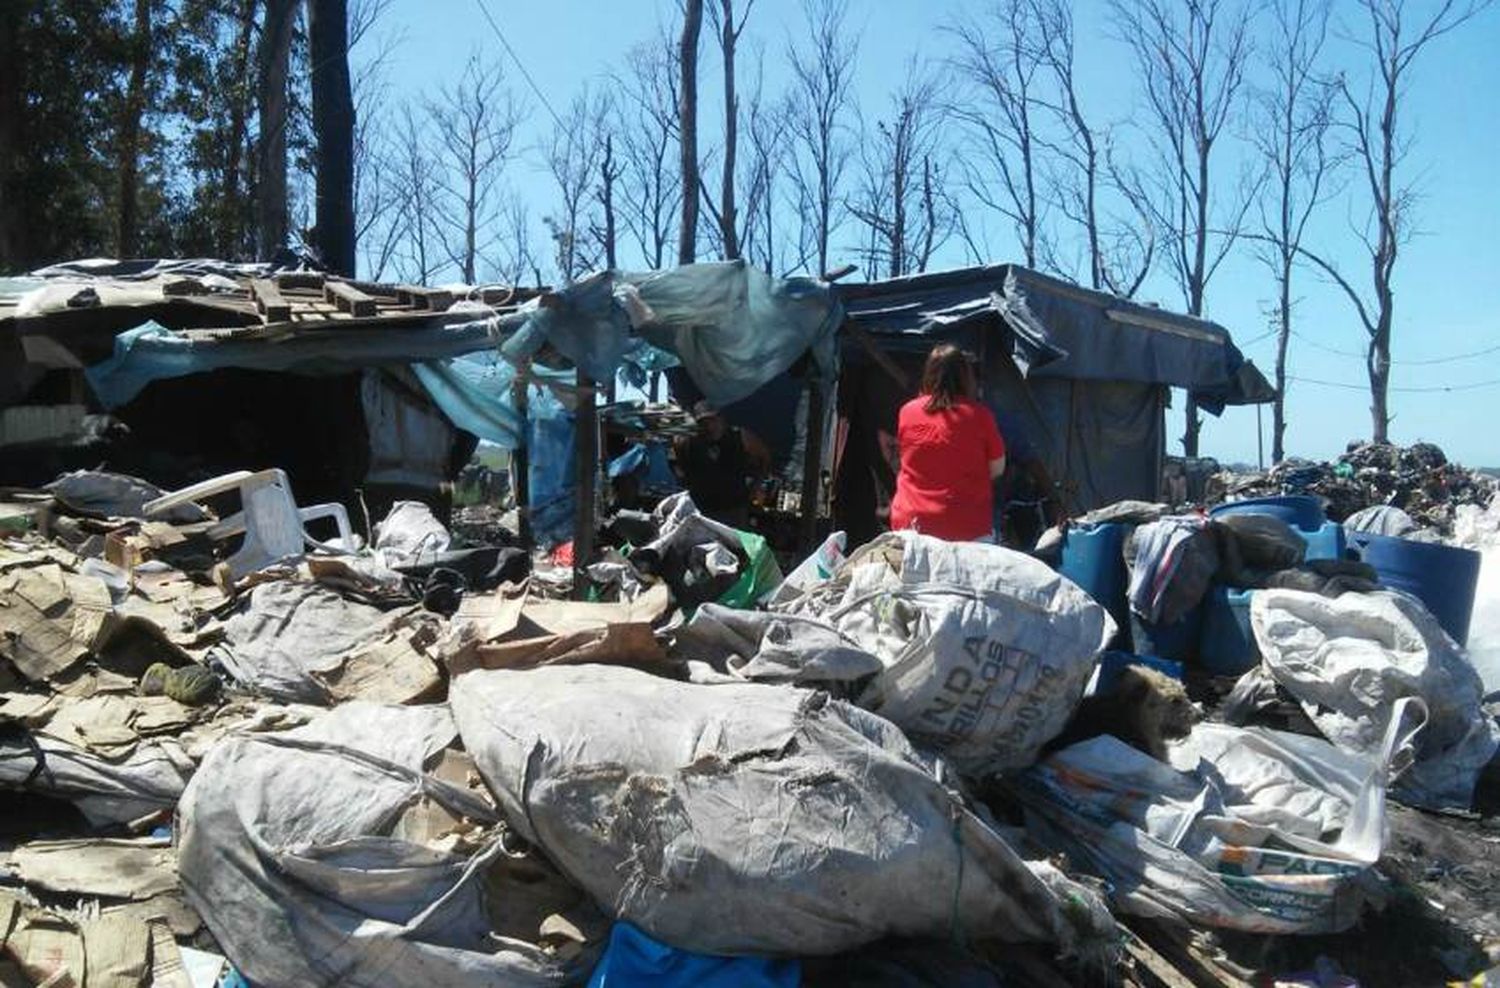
x: 634, y: 960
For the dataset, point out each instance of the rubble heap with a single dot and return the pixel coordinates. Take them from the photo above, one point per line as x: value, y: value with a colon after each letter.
x: 1418, y: 479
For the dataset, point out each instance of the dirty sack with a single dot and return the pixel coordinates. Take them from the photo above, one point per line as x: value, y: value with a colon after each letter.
x: 986, y: 651
x: 290, y: 850
x: 752, y: 819
x: 508, y: 630
x: 771, y: 647
x: 1247, y: 828
x: 1346, y: 660
x: 410, y: 535
x: 303, y: 642
x: 116, y: 495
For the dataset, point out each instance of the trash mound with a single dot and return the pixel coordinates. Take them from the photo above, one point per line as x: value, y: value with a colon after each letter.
x: 1419, y: 479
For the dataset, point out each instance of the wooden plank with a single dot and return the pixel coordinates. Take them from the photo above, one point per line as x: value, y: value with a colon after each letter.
x: 881, y: 358
x: 348, y: 298
x: 586, y: 441
x: 269, y: 301
x: 432, y: 299
x: 301, y: 279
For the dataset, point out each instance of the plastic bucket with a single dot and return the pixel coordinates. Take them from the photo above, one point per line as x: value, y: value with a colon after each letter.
x: 1441, y: 576
x: 1093, y: 557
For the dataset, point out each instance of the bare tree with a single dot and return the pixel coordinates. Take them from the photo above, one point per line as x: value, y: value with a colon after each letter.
x: 273, y: 61
x: 572, y: 158
x: 1380, y: 148
x: 650, y: 184
x: 766, y: 128
x: 898, y: 201
x: 416, y: 178
x: 728, y: 29
x: 610, y: 170
x: 820, y: 105
x: 1192, y: 59
x: 687, y: 64
x: 515, y: 261
x: 377, y: 191
x: 475, y: 123
x: 1002, y: 62
x: 1292, y: 126
x: 131, y: 111
x: 1087, y: 185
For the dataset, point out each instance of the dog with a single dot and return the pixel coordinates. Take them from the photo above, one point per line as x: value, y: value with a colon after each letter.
x: 1144, y: 708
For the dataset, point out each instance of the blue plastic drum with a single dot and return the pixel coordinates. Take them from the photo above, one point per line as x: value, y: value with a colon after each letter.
x: 1093, y: 557
x: 1441, y: 576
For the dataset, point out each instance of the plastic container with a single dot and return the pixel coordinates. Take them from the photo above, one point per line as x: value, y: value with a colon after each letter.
x: 1227, y: 645
x: 1093, y: 557
x: 1324, y: 538
x: 1178, y: 641
x: 1443, y: 577
x: 1301, y: 511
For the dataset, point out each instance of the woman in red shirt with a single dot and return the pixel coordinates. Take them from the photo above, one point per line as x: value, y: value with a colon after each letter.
x: 951, y: 454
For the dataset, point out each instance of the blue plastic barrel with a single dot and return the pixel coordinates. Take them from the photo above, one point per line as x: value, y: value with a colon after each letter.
x: 1178, y: 641
x: 1324, y: 538
x: 1227, y: 646
x: 1441, y: 576
x: 1093, y: 557
x: 1302, y: 511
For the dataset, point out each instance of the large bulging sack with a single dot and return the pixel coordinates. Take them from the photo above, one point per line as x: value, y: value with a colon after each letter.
x: 748, y: 818
x: 305, y: 854
x: 986, y: 651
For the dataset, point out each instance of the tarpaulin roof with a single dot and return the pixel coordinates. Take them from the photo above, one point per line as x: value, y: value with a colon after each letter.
x: 1058, y: 329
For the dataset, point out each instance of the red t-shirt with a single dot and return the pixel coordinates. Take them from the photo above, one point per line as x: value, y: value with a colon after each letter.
x: 944, y: 489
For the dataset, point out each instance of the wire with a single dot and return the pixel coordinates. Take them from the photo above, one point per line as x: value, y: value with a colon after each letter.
x: 519, y: 64
x: 1452, y: 358
x: 1473, y: 386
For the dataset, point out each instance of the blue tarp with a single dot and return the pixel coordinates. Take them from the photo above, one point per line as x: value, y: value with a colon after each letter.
x: 633, y: 959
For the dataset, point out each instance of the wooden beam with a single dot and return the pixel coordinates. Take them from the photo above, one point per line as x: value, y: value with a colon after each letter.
x: 348, y: 298
x: 301, y: 279
x: 881, y: 358
x: 269, y: 301
x: 586, y: 444
x: 433, y: 299
x: 520, y: 457
x: 812, y: 463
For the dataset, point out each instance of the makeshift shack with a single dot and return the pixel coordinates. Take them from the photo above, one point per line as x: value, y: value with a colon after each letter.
x: 1079, y: 378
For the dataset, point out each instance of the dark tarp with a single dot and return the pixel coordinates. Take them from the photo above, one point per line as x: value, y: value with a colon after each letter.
x: 1057, y: 329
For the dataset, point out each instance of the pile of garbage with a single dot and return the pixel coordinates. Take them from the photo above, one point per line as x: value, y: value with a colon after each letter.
x: 234, y: 753
x: 1418, y: 479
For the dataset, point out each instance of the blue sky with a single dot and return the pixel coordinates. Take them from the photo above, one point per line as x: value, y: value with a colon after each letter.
x: 1448, y: 278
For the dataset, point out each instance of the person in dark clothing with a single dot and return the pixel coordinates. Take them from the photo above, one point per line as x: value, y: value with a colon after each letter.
x: 717, y: 464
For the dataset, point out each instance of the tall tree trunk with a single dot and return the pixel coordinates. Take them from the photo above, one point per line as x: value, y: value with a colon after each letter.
x: 232, y: 213
x: 127, y: 239
x: 607, y: 175
x: 11, y: 107
x: 692, y: 24
x: 1283, y: 338
x: 270, y: 166
x: 333, y: 131
x: 731, y: 138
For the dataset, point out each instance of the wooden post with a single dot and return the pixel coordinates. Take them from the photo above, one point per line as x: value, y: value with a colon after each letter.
x: 520, y: 457
x: 812, y: 463
x: 586, y: 443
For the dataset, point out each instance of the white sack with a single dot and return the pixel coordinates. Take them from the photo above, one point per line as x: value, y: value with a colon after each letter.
x: 410, y: 535
x: 1348, y: 659
x: 748, y: 818
x: 986, y: 650
x: 283, y: 851
x: 1479, y: 530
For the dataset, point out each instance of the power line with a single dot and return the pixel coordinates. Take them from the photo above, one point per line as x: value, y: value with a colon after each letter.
x: 519, y: 64
x: 1473, y: 386
x: 1427, y: 362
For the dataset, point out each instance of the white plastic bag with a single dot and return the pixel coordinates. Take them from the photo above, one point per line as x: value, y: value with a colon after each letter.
x: 1480, y: 530
x: 1348, y: 659
x: 1248, y: 828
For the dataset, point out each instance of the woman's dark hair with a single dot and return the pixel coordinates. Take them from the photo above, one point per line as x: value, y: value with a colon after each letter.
x: 948, y: 377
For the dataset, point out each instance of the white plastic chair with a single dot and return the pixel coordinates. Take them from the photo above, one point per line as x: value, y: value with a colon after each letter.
x: 272, y: 523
